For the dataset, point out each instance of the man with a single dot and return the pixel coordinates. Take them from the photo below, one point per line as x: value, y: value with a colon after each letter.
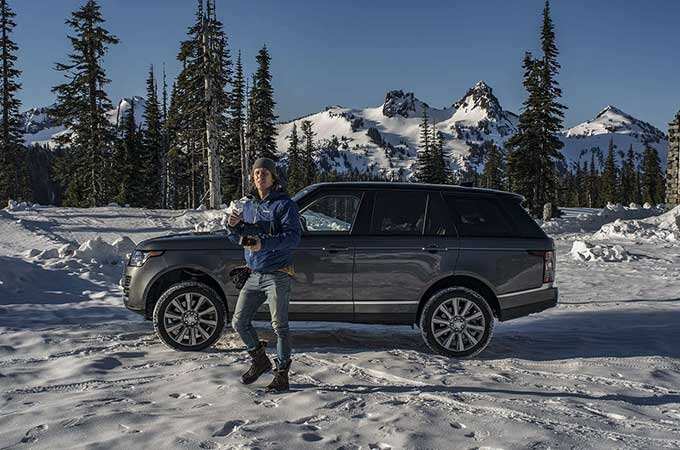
x: 272, y: 221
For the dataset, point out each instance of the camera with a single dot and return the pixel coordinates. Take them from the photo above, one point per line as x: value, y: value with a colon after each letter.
x: 246, y: 240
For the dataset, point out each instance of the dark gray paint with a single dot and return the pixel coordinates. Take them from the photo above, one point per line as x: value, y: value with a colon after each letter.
x: 363, y: 278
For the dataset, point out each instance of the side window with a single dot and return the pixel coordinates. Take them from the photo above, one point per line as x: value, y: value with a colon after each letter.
x: 331, y: 213
x: 399, y: 212
x: 439, y: 221
x: 479, y: 217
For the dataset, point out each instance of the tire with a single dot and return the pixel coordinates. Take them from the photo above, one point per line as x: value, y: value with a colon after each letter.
x: 189, y: 327
x: 457, y: 322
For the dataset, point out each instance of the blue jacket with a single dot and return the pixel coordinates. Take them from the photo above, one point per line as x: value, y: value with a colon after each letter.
x: 276, y: 221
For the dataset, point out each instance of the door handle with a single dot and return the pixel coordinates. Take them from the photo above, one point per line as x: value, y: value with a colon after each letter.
x: 334, y: 249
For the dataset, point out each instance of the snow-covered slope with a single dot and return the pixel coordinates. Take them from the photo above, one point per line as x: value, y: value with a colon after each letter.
x: 385, y: 138
x: 77, y: 370
x: 613, y: 124
x: 40, y: 128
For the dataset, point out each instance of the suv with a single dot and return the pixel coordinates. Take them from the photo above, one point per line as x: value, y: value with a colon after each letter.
x: 448, y: 259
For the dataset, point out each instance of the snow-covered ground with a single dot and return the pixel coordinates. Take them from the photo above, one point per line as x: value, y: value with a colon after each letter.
x: 77, y: 370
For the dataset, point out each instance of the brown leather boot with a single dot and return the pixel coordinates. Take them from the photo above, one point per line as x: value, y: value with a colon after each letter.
x: 280, y: 381
x: 260, y: 364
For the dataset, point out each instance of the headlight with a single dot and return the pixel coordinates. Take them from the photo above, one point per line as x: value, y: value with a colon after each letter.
x: 139, y: 257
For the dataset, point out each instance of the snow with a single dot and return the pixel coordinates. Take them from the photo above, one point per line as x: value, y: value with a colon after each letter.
x: 583, y: 220
x: 586, y: 251
x: 601, y: 370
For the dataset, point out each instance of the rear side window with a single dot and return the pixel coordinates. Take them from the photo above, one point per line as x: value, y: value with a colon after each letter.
x: 439, y: 221
x: 399, y: 212
x: 479, y: 217
x: 526, y: 226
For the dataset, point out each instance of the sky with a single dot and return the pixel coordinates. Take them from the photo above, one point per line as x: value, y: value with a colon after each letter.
x: 620, y: 52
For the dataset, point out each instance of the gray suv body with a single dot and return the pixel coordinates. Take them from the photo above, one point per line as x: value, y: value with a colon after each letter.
x: 449, y: 259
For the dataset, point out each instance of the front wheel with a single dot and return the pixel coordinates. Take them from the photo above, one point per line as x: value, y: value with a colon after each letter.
x: 457, y: 322
x: 189, y: 316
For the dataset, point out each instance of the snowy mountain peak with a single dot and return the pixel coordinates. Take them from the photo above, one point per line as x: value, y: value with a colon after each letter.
x: 398, y: 103
x: 480, y: 96
x: 612, y: 124
x: 613, y: 120
x: 478, y: 116
x: 613, y: 113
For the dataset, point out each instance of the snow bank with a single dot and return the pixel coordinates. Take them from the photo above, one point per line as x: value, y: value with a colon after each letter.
x: 585, y: 251
x: 213, y: 224
x: 93, y: 250
x: 16, y: 206
x: 663, y: 228
x: 585, y: 220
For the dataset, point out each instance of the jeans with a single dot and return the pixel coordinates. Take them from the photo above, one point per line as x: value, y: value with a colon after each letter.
x: 275, y: 289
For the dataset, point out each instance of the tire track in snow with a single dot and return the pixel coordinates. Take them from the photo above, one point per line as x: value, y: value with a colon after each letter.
x: 382, y: 379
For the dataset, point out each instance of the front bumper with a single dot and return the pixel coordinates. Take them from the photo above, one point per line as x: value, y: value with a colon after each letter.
x: 135, y: 281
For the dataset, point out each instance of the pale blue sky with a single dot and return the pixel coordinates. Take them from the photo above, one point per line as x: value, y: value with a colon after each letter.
x: 620, y: 52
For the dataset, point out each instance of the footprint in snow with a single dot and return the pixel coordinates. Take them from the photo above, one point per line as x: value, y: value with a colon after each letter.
x: 34, y: 433
x: 457, y: 425
x: 379, y: 446
x: 189, y: 395
x: 302, y: 420
x: 228, y: 428
x: 311, y: 437
x: 127, y: 430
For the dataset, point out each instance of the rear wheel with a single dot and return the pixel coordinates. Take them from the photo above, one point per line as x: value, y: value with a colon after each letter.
x: 189, y: 316
x: 457, y: 322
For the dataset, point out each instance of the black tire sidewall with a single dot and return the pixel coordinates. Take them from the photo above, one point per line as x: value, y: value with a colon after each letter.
x: 180, y: 289
x: 439, y: 298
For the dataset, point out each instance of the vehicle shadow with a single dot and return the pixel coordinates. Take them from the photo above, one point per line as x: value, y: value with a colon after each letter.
x: 589, y: 334
x: 653, y: 400
x: 548, y: 337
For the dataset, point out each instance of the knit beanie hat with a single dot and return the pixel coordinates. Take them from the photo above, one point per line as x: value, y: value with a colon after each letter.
x: 266, y: 163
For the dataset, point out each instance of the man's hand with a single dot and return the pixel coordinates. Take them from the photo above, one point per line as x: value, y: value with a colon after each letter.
x: 256, y: 247
x: 233, y: 219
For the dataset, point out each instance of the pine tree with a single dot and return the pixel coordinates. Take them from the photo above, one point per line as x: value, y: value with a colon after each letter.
x: 129, y: 165
x: 652, y: 179
x: 535, y: 149
x: 440, y: 166
x: 176, y: 152
x: 262, y: 109
x: 609, y: 180
x: 424, y: 170
x: 628, y: 177
x: 308, y: 167
x: 235, y: 136
x: 165, y: 180
x: 524, y: 146
x: 82, y: 105
x: 13, y: 165
x: 198, y: 111
x: 296, y: 175
x: 151, y: 163
x: 493, y: 175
